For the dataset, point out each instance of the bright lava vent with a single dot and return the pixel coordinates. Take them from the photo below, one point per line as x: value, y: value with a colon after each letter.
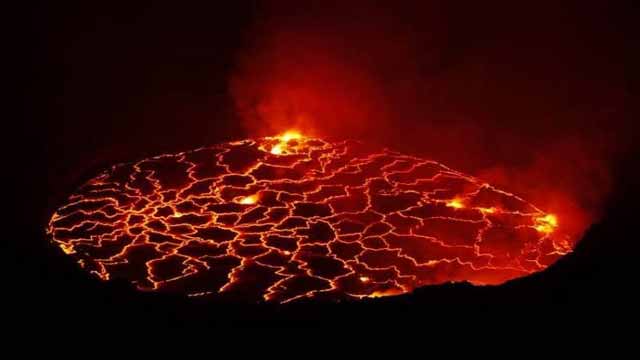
x: 289, y: 217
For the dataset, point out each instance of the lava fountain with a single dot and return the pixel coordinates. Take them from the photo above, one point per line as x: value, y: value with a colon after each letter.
x: 288, y: 217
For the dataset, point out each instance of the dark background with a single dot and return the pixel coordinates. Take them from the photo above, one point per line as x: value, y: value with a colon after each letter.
x: 110, y: 83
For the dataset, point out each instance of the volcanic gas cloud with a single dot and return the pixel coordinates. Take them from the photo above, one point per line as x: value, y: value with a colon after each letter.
x: 288, y: 217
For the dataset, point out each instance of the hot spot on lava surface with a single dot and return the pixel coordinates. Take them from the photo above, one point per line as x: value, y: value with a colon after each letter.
x: 289, y: 217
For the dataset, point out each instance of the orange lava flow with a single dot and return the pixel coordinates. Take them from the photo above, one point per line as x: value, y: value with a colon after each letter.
x: 289, y: 217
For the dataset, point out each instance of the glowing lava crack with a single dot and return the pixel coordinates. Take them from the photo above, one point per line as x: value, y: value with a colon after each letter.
x: 282, y: 218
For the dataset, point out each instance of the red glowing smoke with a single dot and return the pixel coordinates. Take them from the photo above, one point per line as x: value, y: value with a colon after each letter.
x: 523, y: 96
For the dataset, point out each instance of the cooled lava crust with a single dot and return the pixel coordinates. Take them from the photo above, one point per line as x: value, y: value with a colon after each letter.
x: 283, y: 218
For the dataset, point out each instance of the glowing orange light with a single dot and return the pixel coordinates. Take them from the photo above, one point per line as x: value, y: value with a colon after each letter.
x: 249, y: 200
x: 68, y: 249
x: 490, y: 210
x: 283, y: 145
x: 547, y: 223
x: 276, y: 149
x: 456, y: 204
x: 383, y: 293
x: 290, y: 135
x: 364, y: 279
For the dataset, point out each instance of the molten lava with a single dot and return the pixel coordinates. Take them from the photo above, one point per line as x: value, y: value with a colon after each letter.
x: 289, y: 217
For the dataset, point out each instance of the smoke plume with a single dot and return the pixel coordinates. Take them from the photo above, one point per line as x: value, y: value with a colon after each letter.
x: 528, y: 97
